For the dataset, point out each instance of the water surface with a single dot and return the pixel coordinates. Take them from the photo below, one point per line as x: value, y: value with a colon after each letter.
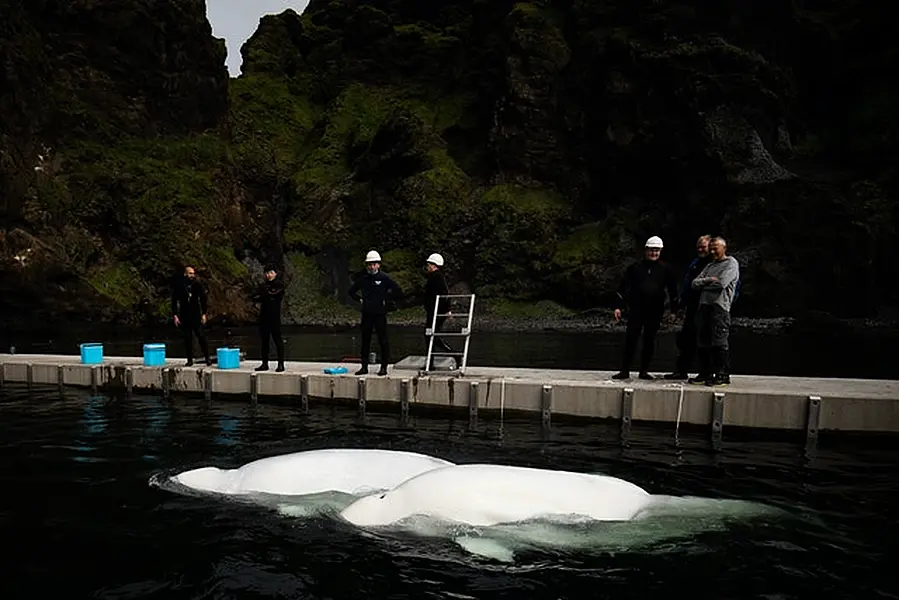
x: 78, y: 514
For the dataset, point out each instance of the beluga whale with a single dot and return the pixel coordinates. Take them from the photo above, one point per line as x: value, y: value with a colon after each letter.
x: 489, y: 494
x: 353, y: 471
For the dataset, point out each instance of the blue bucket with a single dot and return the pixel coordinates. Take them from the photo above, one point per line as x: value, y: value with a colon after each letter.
x: 154, y: 355
x: 92, y: 353
x: 228, y: 358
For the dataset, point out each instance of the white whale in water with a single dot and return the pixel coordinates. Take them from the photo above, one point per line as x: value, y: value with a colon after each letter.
x: 486, y: 494
x: 347, y: 470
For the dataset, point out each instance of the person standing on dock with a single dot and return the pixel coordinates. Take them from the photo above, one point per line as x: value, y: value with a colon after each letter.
x: 642, y: 291
x: 717, y: 284
x: 189, y: 306
x: 434, y: 287
x: 375, y: 287
x: 269, y: 296
x: 689, y: 301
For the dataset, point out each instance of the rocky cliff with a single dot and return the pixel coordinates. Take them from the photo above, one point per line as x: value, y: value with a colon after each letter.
x: 535, y: 144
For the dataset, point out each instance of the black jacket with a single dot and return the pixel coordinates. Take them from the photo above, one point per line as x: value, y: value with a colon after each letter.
x: 688, y: 296
x: 269, y: 296
x: 376, y: 289
x: 643, y: 287
x: 436, y: 286
x: 189, y: 299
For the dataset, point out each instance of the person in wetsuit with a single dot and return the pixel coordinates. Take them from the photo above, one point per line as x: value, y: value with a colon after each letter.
x: 436, y: 286
x: 642, y: 291
x: 689, y: 300
x: 372, y: 291
x: 189, y: 306
x: 269, y: 296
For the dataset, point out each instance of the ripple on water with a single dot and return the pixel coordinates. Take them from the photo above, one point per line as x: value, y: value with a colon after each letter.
x: 78, y: 508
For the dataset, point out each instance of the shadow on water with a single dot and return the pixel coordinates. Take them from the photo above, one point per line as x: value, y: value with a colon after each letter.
x: 97, y: 525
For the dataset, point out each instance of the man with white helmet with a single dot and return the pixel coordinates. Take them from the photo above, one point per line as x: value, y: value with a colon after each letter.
x: 436, y: 286
x: 642, y: 291
x: 372, y: 291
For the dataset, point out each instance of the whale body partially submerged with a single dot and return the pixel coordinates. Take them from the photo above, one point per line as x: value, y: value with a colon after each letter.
x: 347, y: 470
x: 488, y: 494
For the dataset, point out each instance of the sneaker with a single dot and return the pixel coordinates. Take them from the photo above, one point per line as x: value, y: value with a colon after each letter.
x: 622, y: 375
x: 677, y: 376
x: 262, y: 367
x: 646, y: 376
x: 716, y: 380
x: 362, y: 371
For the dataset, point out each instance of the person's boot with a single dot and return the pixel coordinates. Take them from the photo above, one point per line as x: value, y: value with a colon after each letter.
x: 363, y: 370
x: 383, y: 371
x: 677, y: 376
x: 262, y: 367
x: 622, y: 375
x: 645, y: 375
x: 705, y: 368
x: 280, y: 368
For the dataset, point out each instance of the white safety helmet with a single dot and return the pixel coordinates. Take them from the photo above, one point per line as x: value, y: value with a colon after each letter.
x: 436, y: 259
x: 372, y: 256
x: 654, y: 242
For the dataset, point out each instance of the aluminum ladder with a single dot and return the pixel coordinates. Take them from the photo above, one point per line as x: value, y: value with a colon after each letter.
x: 431, y: 334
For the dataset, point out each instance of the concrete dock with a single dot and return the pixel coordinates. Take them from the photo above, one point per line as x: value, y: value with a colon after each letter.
x: 806, y: 405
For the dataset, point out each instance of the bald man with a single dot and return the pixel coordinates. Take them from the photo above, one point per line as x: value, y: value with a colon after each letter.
x: 717, y: 285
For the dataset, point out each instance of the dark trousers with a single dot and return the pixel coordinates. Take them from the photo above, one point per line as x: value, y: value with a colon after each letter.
x: 648, y: 323
x: 189, y: 329
x: 686, y: 343
x: 270, y: 329
x: 378, y: 323
x: 439, y: 343
x: 712, y: 335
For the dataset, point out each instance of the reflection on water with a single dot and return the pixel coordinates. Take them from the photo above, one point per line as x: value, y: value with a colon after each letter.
x: 759, y: 520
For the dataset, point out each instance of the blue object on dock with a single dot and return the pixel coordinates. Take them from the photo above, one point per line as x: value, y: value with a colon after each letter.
x: 154, y: 355
x: 228, y: 358
x: 92, y: 353
x: 334, y: 370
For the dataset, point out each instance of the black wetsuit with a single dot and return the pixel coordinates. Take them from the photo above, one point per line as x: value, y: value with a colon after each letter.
x: 373, y: 290
x: 436, y: 286
x: 642, y: 292
x: 686, y: 337
x: 269, y: 296
x: 189, y: 304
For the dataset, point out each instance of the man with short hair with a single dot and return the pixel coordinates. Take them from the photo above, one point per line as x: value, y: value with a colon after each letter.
x: 689, y: 298
x: 189, y: 305
x: 376, y: 288
x: 269, y: 296
x: 717, y: 284
x: 642, y: 291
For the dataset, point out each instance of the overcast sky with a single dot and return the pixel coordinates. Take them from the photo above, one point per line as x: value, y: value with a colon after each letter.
x: 236, y: 20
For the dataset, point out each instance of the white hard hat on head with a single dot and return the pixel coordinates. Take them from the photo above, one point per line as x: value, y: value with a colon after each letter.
x: 654, y: 242
x: 436, y: 259
x: 372, y: 256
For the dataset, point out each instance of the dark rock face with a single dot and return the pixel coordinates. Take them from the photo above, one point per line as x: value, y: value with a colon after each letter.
x: 534, y: 144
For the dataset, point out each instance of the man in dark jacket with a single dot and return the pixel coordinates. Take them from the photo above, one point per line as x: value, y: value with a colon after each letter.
x: 372, y: 291
x: 642, y: 291
x: 686, y: 337
x: 189, y: 305
x: 269, y: 296
x: 436, y: 286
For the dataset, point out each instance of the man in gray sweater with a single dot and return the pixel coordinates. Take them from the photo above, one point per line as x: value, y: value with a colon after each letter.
x: 717, y: 284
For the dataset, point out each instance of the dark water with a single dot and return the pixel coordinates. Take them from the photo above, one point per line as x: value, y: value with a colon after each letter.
x: 79, y: 520
x: 813, y: 354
